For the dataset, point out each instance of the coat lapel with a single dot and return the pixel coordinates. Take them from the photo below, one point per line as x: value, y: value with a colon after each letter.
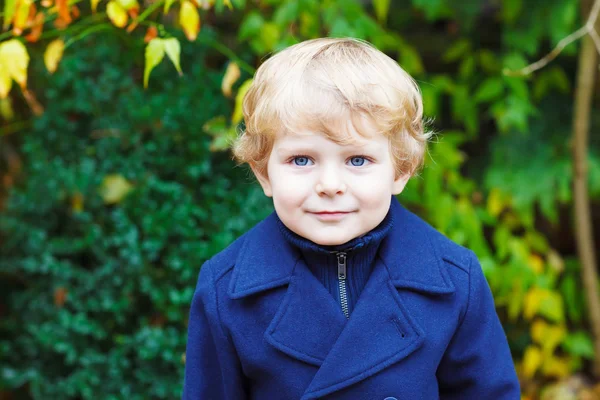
x: 309, y: 324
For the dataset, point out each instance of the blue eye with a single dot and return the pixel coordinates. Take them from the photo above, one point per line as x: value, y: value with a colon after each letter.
x: 358, y: 161
x: 301, y: 161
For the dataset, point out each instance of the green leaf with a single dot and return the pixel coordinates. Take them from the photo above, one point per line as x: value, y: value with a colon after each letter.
x: 168, y: 4
x: 173, y: 50
x: 488, y: 61
x: 251, y: 25
x: 511, y: 10
x: 382, y: 7
x: 286, y: 13
x: 9, y: 12
x: 457, y: 50
x: 411, y: 60
x: 579, y: 344
x: 489, y: 90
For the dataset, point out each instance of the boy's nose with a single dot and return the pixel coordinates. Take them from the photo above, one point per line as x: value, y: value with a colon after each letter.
x: 330, y: 183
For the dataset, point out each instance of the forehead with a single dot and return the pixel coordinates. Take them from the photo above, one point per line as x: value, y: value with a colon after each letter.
x: 325, y: 142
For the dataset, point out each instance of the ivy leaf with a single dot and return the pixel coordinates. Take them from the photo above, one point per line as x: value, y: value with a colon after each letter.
x: 117, y: 14
x: 232, y: 74
x: 189, y: 20
x: 173, y: 50
x: 53, y: 54
x: 15, y: 59
x: 155, y: 52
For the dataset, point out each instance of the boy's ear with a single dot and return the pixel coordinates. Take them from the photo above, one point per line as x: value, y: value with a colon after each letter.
x: 263, y: 180
x: 399, y: 183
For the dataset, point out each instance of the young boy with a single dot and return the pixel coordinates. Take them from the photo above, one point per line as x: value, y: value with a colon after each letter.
x: 341, y: 293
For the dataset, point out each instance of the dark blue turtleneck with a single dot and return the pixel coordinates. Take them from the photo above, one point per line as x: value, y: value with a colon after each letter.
x: 323, y: 261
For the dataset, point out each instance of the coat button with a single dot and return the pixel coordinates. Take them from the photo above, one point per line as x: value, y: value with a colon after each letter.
x: 390, y: 398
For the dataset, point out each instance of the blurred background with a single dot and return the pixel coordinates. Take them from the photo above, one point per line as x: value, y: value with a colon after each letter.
x: 116, y: 181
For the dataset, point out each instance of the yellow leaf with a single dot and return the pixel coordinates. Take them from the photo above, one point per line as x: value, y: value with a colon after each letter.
x: 173, y: 50
x: 53, y: 54
x: 232, y: 74
x: 495, y: 202
x: 531, y: 361
x: 548, y: 336
x: 22, y: 12
x: 536, y: 263
x: 168, y: 4
x: 533, y: 299
x: 555, y: 261
x: 94, y: 4
x: 5, y: 81
x: 556, y: 367
x: 189, y: 20
x: 116, y: 14
x: 544, y: 302
x: 228, y: 4
x: 114, y: 188
x: 9, y: 12
x: 239, y: 99
x: 15, y: 59
x: 155, y: 51
x: 128, y: 4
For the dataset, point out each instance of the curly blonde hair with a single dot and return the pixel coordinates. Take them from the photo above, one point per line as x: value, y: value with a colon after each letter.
x: 322, y: 85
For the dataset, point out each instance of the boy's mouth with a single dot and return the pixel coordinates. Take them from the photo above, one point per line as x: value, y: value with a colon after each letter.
x: 331, y: 215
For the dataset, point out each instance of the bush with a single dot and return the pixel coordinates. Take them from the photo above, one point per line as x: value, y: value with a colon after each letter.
x: 121, y: 202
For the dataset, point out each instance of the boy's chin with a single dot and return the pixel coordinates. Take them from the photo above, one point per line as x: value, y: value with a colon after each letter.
x: 331, y: 239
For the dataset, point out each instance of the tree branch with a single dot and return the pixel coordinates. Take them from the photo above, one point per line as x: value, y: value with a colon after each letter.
x: 587, y: 29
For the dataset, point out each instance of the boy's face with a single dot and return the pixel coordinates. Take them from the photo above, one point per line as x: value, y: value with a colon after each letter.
x: 327, y: 192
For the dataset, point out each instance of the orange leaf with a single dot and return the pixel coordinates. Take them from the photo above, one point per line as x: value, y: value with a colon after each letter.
x: 189, y: 20
x: 36, y: 30
x: 116, y: 14
x: 60, y: 296
x: 63, y: 11
x: 46, y: 3
x: 151, y: 33
x: 75, y: 11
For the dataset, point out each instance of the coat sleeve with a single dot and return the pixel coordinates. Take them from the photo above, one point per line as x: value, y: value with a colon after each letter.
x: 477, y: 363
x: 212, y: 368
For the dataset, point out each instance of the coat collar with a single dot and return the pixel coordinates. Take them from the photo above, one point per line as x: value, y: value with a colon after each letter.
x: 380, y: 331
x: 266, y: 260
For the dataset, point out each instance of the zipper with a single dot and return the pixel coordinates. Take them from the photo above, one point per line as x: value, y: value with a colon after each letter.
x: 341, y: 259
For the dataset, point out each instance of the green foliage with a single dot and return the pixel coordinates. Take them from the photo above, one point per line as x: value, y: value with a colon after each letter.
x: 99, y: 293
x: 125, y: 196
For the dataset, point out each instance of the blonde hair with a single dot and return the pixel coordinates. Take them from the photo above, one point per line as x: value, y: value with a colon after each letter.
x: 323, y: 85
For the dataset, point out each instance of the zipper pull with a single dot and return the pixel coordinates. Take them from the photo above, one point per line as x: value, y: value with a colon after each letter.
x: 341, y: 258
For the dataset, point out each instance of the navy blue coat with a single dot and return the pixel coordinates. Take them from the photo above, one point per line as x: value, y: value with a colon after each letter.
x: 263, y: 327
